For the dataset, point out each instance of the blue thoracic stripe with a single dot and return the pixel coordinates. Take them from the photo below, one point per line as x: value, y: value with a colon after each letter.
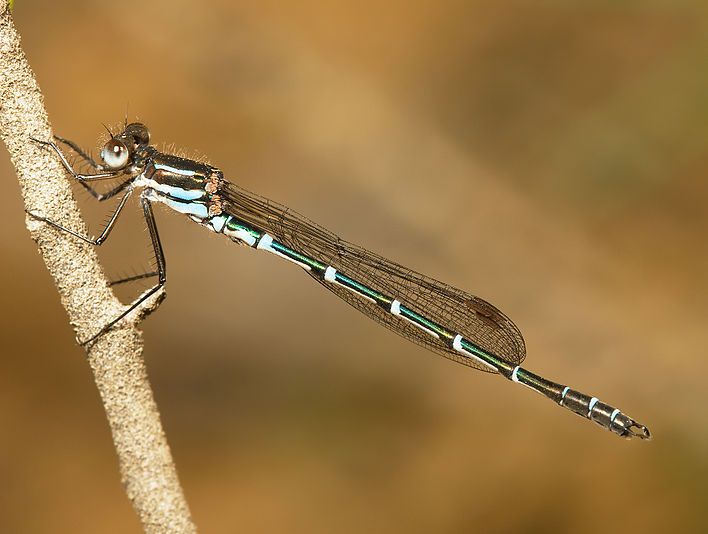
x: 179, y: 193
x: 175, y: 170
x: 195, y: 209
x: 185, y: 194
x: 172, y: 191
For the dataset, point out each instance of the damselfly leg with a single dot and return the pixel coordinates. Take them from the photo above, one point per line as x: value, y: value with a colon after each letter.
x: 103, y: 236
x: 133, y: 278
x: 101, y: 175
x: 92, y: 162
x: 161, y: 271
x: 80, y: 152
x: 83, y: 179
x: 88, y: 239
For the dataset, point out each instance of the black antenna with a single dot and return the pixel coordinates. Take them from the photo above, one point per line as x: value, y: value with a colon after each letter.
x: 107, y: 129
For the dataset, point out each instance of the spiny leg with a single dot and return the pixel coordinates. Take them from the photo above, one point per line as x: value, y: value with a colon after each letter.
x: 101, y: 239
x: 84, y: 178
x: 133, y: 278
x: 156, y: 244
x: 98, y: 196
x: 161, y: 270
x: 88, y: 239
x: 101, y: 175
x: 147, y: 209
x: 92, y: 162
x: 108, y: 194
x: 80, y: 151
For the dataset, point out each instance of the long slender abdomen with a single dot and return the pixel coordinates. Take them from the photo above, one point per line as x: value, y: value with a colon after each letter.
x: 586, y: 406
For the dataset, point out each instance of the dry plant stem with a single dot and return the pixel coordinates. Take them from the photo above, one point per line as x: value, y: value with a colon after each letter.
x: 146, y: 466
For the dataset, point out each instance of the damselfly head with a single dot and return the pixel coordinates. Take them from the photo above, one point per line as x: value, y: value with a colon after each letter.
x: 118, y: 151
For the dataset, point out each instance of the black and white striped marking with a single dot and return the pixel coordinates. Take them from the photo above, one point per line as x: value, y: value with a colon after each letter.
x: 457, y: 345
x: 396, y: 310
x: 266, y: 243
x: 330, y: 275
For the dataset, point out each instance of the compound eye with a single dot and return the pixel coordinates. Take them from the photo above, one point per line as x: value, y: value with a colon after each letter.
x: 139, y: 132
x: 115, y: 154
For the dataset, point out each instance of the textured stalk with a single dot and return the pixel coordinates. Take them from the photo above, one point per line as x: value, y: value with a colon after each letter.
x: 146, y: 465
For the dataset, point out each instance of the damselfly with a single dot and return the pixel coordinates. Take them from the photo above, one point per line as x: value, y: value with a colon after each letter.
x: 444, y: 319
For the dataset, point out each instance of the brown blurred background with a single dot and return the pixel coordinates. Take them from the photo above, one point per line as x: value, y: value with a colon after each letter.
x: 549, y: 156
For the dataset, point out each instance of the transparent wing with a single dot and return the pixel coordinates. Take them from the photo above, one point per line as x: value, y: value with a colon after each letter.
x: 460, y: 312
